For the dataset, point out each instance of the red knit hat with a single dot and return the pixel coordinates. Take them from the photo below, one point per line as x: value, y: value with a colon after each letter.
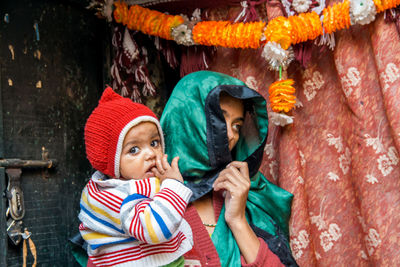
x: 107, y: 126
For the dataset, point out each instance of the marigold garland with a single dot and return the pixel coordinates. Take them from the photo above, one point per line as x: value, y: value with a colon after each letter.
x: 336, y: 17
x: 279, y: 30
x: 226, y: 34
x: 306, y: 26
x: 382, y: 5
x: 294, y: 29
x: 281, y: 95
x: 145, y: 20
x: 282, y: 30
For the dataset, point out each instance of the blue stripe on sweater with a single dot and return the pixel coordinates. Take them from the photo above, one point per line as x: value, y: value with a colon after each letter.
x: 101, y: 220
x: 130, y: 239
x: 132, y: 197
x: 161, y: 223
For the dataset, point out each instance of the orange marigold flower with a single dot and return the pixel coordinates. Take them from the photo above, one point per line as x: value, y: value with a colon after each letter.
x: 279, y: 30
x: 148, y: 21
x: 281, y: 95
x: 336, y: 17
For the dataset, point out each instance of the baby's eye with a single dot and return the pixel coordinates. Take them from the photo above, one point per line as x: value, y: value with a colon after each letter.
x: 155, y: 143
x: 134, y: 150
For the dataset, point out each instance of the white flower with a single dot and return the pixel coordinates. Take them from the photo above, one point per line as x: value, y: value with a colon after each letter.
x: 333, y: 177
x: 301, y: 5
x: 364, y: 255
x: 297, y: 252
x: 384, y: 165
x: 304, y: 238
x: 299, y: 243
x: 273, y: 169
x: 269, y: 150
x: 362, y: 11
x: 374, y: 142
x: 373, y: 240
x: 298, y: 104
x: 334, y: 231
x: 302, y: 159
x: 182, y: 34
x: 318, y: 221
x: 392, y: 153
x: 371, y: 179
x: 313, y: 82
x: 345, y: 160
x: 277, y: 56
x: 335, y: 141
x: 280, y: 119
x: 326, y: 241
x: 300, y: 180
x: 251, y: 82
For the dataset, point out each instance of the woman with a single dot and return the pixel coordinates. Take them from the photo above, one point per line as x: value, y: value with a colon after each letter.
x: 218, y: 127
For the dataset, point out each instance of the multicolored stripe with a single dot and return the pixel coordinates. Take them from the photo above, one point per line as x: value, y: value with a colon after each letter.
x: 125, y: 221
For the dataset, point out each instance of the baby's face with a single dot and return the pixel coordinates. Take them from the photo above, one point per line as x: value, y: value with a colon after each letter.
x: 141, y: 148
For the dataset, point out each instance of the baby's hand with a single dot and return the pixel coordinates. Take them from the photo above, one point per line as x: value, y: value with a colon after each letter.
x: 163, y: 170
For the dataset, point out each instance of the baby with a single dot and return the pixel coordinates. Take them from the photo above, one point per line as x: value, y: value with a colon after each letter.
x: 132, y: 208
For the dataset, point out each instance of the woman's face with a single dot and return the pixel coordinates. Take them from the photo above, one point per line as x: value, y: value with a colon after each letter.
x: 233, y: 111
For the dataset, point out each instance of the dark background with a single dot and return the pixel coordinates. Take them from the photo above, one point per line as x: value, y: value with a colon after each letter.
x: 51, y: 78
x: 75, y: 53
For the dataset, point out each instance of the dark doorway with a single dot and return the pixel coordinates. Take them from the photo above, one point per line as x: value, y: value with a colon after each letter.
x: 52, y: 58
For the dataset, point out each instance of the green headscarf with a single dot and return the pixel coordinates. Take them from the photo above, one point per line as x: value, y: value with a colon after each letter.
x: 195, y: 130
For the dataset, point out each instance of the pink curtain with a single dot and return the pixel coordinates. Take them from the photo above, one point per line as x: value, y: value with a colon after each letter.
x: 340, y: 156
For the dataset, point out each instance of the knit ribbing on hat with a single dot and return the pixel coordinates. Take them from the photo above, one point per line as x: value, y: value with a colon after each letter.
x: 126, y: 130
x: 104, y: 126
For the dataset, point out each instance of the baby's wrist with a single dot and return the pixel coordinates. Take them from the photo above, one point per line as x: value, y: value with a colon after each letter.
x: 179, y: 179
x: 178, y: 187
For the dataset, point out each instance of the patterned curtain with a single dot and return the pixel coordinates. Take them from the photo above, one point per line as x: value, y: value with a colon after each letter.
x: 340, y: 156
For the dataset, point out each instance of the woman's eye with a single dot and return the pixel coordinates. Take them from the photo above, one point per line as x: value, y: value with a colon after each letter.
x: 155, y: 143
x: 134, y: 150
x: 237, y: 127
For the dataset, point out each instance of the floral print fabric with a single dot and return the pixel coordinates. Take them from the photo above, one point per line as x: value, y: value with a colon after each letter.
x: 340, y: 157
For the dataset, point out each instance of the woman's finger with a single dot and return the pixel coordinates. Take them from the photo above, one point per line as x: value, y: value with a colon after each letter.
x: 240, y: 185
x: 227, y: 178
x: 228, y: 174
x: 238, y: 175
x: 242, y: 166
x: 225, y: 185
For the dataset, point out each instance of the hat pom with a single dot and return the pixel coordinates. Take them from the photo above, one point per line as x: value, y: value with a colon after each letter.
x: 109, y: 95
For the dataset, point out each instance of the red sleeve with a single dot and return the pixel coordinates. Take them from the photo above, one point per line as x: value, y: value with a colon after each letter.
x: 265, y: 257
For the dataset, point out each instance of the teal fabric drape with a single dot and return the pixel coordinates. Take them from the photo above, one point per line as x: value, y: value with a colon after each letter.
x: 185, y: 129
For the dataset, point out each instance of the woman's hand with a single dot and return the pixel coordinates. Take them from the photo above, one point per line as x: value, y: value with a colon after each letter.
x: 235, y: 180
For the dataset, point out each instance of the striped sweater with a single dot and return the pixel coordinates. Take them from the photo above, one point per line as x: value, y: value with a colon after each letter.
x: 140, y: 221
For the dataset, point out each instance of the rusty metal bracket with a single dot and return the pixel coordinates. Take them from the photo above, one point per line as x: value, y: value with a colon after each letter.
x: 16, y: 209
x: 19, y: 163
